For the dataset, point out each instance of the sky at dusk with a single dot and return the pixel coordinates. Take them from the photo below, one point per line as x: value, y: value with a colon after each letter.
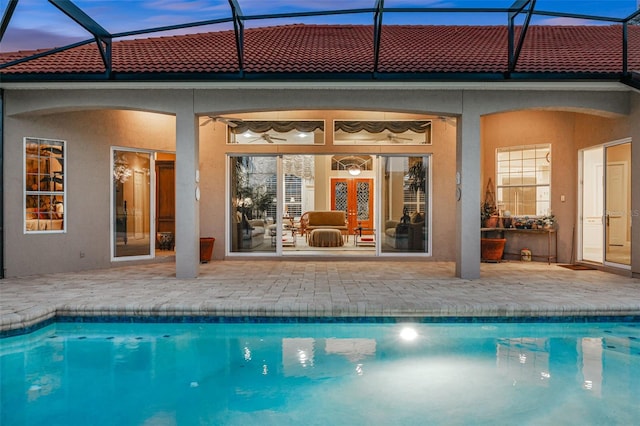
x: 38, y: 24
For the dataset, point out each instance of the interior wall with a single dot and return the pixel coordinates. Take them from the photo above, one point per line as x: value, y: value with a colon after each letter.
x: 89, y: 136
x: 213, y: 148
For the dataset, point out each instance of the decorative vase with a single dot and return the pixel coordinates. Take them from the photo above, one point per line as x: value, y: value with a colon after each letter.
x: 206, y: 249
x: 491, y: 249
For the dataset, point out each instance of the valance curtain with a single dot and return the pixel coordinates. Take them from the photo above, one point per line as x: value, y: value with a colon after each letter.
x: 278, y: 126
x: 380, y: 126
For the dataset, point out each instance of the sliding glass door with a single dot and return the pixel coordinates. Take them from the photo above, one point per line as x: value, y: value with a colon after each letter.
x: 253, y: 204
x: 329, y: 204
x: 404, y: 204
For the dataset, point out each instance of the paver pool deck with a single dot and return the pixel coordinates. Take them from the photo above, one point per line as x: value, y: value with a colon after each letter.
x: 354, y: 288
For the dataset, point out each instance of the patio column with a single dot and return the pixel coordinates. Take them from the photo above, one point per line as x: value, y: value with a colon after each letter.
x: 634, y: 119
x: 468, y: 185
x: 187, y: 204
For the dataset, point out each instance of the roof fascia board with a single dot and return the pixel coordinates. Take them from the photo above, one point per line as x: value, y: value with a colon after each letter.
x: 312, y: 77
x: 608, y: 86
x: 6, y: 17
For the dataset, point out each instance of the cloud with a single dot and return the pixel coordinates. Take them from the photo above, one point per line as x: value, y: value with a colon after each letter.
x: 29, y: 39
x: 569, y: 21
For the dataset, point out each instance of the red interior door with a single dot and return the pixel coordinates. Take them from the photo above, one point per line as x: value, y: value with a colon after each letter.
x: 355, y: 197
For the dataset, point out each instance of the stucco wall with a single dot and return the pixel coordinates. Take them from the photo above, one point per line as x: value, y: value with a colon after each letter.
x: 89, y: 136
x: 567, y: 132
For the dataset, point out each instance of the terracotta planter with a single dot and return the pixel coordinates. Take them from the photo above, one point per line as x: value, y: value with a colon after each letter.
x: 491, y: 222
x: 491, y: 249
x: 206, y: 249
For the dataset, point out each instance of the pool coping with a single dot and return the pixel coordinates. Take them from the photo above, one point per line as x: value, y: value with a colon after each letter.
x: 34, y: 319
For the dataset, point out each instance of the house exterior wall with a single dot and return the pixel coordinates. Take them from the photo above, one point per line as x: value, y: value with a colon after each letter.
x: 566, y: 132
x: 89, y: 136
x: 91, y: 120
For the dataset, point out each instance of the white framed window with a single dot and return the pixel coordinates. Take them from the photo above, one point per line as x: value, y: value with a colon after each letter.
x: 44, y: 185
x: 292, y: 195
x: 524, y: 179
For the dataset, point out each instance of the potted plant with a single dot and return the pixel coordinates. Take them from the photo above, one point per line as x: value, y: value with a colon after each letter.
x: 489, y: 215
x: 488, y: 209
x: 546, y: 222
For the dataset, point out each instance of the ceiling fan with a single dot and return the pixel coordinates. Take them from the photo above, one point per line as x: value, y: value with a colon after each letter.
x: 229, y: 121
x: 447, y: 120
x: 394, y: 138
x: 267, y: 137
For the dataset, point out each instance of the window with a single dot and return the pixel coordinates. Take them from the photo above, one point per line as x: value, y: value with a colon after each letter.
x: 44, y: 185
x: 292, y: 196
x: 399, y: 132
x: 524, y: 180
x: 291, y: 132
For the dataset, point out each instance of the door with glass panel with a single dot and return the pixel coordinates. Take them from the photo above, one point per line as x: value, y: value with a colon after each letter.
x: 592, y: 206
x: 354, y: 196
x: 132, y: 207
x: 606, y: 205
x: 618, y: 204
x: 405, y: 204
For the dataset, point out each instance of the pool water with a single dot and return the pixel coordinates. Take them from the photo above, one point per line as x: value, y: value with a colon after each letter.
x: 322, y: 374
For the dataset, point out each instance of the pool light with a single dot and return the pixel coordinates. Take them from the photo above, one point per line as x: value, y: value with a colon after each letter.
x: 408, y: 334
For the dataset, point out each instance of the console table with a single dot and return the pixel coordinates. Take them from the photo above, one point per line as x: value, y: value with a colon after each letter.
x: 550, y: 233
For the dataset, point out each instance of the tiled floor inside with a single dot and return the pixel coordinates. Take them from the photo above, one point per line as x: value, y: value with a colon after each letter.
x: 352, y: 287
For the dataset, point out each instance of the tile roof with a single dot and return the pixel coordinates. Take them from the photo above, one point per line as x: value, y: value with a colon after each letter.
x: 345, y: 49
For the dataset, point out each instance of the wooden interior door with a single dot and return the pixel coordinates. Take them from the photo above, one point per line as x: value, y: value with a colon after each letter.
x: 355, y: 197
x: 166, y: 197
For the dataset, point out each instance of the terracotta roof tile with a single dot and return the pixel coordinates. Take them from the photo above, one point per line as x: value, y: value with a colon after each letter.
x: 349, y: 49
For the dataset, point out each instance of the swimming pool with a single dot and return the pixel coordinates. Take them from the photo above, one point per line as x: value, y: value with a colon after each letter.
x: 322, y: 374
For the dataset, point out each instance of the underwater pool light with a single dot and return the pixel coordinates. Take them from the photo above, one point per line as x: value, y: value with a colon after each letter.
x: 409, y: 334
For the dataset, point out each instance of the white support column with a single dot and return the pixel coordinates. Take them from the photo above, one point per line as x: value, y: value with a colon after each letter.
x: 187, y: 206
x: 468, y: 180
x: 634, y: 119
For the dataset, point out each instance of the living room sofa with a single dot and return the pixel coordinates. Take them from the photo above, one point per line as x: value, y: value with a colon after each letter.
x: 324, y: 219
